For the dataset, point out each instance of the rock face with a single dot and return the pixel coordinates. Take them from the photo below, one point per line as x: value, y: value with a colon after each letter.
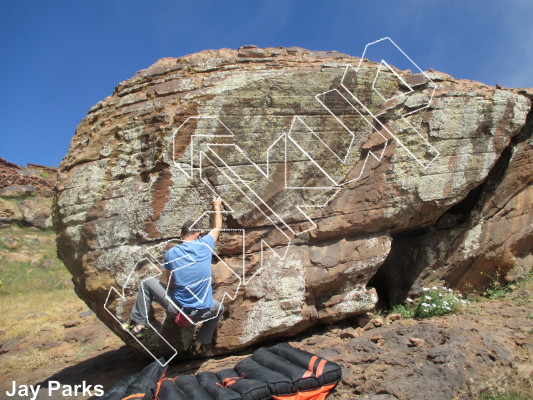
x: 17, y: 186
x: 323, y: 162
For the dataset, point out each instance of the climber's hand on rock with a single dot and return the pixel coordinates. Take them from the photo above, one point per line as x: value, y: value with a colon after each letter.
x: 217, y: 203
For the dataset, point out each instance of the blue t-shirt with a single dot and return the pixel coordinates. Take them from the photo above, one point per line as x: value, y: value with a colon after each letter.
x: 190, y: 263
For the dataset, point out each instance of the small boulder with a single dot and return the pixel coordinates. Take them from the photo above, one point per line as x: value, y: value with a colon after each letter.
x: 85, y: 314
x: 35, y: 215
x: 70, y: 324
x: 10, y: 344
x: 394, y: 317
x: 18, y: 191
x: 349, y: 333
x: 377, y: 339
x: 10, y: 242
x: 38, y: 315
x: 364, y: 321
x: 50, y: 345
x: 416, y: 342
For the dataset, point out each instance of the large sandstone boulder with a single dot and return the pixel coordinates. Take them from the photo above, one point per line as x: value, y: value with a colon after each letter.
x: 321, y: 159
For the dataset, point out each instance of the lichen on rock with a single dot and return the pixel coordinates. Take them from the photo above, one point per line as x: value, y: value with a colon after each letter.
x: 315, y: 187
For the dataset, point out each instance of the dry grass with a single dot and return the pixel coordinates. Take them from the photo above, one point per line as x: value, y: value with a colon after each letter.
x: 36, y: 300
x: 39, y: 318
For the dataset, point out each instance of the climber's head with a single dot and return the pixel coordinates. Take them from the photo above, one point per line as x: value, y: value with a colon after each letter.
x: 187, y: 233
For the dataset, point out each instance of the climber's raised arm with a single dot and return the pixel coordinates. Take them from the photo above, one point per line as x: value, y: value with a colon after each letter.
x: 217, y: 225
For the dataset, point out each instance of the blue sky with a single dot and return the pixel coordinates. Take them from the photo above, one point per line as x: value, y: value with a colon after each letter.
x: 60, y: 57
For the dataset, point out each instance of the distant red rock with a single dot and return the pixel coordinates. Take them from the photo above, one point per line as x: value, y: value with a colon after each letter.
x: 17, y: 181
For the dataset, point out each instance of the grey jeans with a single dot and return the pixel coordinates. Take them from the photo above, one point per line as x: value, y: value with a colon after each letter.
x: 152, y: 289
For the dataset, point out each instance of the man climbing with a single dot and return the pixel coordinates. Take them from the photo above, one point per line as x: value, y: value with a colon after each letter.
x: 188, y: 273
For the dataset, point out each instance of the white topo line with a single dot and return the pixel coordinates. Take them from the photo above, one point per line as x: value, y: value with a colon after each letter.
x: 352, y: 102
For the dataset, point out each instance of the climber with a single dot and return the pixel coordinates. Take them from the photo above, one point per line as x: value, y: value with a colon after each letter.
x: 188, y: 274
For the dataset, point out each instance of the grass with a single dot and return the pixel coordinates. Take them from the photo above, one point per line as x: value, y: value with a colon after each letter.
x: 405, y: 310
x: 36, y: 298
x: 34, y: 281
x: 508, y: 389
x: 492, y: 395
x: 499, y: 288
x: 31, y: 265
x: 522, y: 290
x: 39, y: 318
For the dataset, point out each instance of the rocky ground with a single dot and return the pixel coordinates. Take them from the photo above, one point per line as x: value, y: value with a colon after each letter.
x: 485, y: 347
x: 47, y: 333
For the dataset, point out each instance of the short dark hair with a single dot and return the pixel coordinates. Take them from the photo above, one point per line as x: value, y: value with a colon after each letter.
x: 186, y: 228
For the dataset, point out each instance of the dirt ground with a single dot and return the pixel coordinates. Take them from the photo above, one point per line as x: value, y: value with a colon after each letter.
x: 487, y: 346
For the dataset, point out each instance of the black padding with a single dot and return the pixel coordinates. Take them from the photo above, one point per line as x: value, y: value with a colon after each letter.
x: 277, y: 383
x: 141, y: 382
x: 250, y: 389
x: 276, y: 371
x: 191, y: 387
x: 210, y: 382
x: 147, y: 379
x: 295, y: 356
x: 169, y: 391
x: 330, y: 373
x: 290, y: 370
x: 227, y: 374
x: 116, y: 392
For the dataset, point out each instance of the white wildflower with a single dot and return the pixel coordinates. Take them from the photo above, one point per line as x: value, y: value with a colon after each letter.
x: 425, y: 289
x: 409, y: 300
x: 434, y: 288
x: 427, y: 297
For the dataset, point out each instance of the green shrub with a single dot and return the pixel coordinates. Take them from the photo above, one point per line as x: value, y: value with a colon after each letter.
x: 438, y: 301
x: 496, y: 290
x: 433, y: 302
x: 405, y: 310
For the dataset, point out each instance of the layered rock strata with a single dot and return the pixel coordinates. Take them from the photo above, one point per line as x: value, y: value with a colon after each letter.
x: 321, y: 160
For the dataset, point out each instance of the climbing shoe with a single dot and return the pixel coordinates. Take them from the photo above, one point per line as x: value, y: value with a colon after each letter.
x: 138, y: 333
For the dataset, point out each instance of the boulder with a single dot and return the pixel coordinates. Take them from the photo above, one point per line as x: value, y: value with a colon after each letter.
x: 35, y: 215
x: 9, y: 212
x: 322, y: 160
x: 493, y: 241
x: 18, y: 191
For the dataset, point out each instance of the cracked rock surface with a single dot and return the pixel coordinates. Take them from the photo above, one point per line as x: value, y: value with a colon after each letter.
x: 275, y: 130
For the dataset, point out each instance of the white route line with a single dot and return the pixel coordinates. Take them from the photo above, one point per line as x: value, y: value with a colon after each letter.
x: 169, y: 297
x: 383, y: 62
x: 254, y: 198
x: 389, y: 131
x: 122, y: 296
